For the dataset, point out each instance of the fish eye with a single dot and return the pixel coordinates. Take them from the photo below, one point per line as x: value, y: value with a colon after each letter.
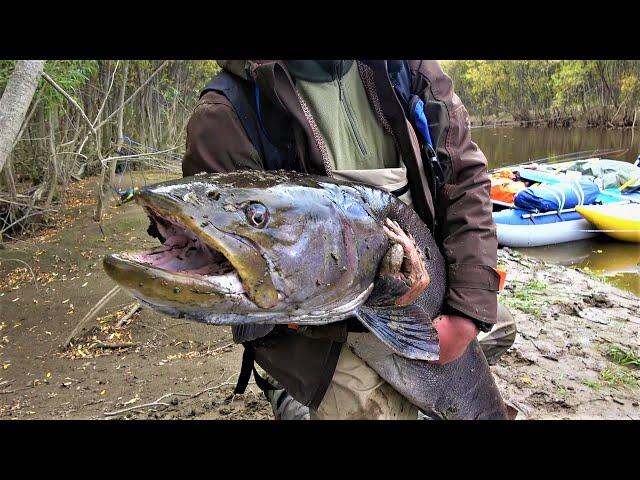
x: 257, y: 214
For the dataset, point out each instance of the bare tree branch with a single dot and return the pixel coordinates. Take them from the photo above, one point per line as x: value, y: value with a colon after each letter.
x: 62, y: 92
x: 106, y: 96
x: 133, y: 95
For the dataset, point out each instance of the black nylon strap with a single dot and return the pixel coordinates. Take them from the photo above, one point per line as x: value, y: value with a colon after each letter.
x: 401, y: 191
x: 248, y: 366
x: 248, y: 358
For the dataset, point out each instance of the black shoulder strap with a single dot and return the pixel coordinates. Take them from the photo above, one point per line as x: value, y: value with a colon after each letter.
x: 243, y: 94
x: 248, y: 366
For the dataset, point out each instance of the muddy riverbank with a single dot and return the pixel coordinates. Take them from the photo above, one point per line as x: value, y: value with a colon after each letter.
x: 573, y: 357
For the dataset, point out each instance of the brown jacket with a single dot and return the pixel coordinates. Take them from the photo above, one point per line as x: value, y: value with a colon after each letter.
x: 216, y: 142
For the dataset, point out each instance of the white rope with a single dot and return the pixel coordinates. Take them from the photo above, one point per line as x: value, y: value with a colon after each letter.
x: 559, y: 198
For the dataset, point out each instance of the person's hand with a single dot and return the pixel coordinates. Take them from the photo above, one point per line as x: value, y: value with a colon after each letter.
x: 454, y: 335
x: 411, y: 270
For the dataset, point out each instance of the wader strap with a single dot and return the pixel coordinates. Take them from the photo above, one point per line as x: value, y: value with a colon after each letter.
x: 400, y: 191
x: 248, y: 357
x: 248, y: 366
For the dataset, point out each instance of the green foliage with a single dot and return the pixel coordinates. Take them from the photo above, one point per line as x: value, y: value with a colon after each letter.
x: 6, y: 67
x: 630, y: 87
x: 598, y: 91
x: 71, y: 75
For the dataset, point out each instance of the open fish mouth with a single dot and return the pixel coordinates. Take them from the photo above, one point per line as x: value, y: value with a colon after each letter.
x: 191, y: 268
x: 183, y: 251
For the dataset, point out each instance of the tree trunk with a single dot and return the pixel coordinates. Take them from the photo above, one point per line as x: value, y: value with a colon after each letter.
x: 120, y: 132
x: 101, y: 193
x: 15, y: 102
x: 53, y: 160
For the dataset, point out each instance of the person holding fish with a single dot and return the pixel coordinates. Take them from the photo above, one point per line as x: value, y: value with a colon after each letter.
x: 393, y: 124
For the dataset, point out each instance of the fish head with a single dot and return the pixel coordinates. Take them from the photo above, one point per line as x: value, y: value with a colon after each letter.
x: 273, y: 246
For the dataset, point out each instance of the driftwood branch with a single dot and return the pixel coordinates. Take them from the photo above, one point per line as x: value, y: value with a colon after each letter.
x: 137, y: 155
x: 130, y: 314
x: 155, y: 403
x: 90, y: 314
x: 114, y: 345
x: 25, y: 216
x: 35, y: 280
x: 160, y: 403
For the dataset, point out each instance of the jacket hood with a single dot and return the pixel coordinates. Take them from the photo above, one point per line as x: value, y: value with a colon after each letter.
x: 309, y: 70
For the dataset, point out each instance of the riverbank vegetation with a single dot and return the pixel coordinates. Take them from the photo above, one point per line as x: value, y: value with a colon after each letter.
x: 602, y: 93
x: 93, y: 117
x: 107, y: 117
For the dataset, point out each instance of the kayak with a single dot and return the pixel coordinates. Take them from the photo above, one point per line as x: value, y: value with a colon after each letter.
x: 521, y: 228
x: 616, y: 179
x: 618, y: 220
x: 536, y: 205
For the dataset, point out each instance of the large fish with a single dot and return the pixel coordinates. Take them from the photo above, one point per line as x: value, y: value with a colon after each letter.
x: 255, y: 249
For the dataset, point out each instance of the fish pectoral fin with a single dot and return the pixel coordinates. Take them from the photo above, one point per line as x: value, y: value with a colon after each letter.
x: 407, y: 331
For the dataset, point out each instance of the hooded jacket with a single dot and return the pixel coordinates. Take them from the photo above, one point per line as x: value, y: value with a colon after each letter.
x: 460, y: 211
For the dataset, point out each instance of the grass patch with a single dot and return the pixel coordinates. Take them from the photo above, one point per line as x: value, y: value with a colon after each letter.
x: 562, y: 391
x: 524, y: 298
x: 593, y: 385
x: 621, y: 356
x: 618, y: 377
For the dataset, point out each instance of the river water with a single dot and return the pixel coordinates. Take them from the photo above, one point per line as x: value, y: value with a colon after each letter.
x: 618, y: 261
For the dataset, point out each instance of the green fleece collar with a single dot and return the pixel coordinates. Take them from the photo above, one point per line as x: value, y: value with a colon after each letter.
x: 318, y: 70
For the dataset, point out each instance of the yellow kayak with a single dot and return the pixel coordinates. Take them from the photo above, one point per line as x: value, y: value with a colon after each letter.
x: 618, y: 220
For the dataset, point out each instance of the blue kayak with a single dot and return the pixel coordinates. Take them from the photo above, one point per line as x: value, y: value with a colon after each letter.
x: 534, y: 227
x: 521, y: 228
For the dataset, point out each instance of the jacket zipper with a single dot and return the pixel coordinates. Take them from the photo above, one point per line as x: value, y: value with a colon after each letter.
x: 349, y: 112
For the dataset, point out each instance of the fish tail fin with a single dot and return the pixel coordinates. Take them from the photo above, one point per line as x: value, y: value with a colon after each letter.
x: 407, y: 331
